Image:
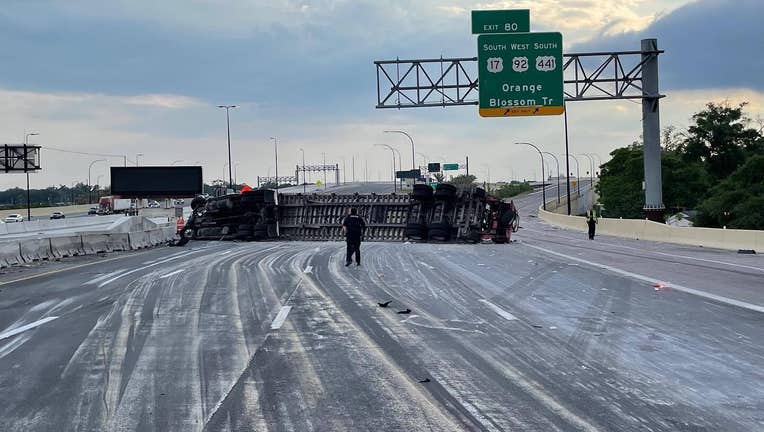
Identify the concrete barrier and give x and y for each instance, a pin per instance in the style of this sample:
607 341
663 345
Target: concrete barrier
9 254
95 243
647 230
35 249
118 241
66 246
138 240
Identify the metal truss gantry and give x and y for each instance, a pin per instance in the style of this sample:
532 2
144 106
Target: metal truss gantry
593 76
318 168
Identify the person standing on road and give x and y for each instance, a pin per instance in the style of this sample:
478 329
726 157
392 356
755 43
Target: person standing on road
591 220
354 227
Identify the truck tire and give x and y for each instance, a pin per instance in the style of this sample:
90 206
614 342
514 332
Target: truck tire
422 192
445 192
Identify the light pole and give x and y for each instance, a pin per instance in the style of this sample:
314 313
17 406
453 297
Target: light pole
303 170
413 161
90 187
136 158
558 175
235 177
599 161
276 153
26 143
424 158
352 164
578 175
323 168
543 173
392 150
344 177
228 131
591 165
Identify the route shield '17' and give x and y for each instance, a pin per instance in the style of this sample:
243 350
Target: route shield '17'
520 74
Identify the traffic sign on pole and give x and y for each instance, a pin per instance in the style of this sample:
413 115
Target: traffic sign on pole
520 74
450 167
501 21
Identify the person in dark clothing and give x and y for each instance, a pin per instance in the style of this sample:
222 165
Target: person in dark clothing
354 227
591 220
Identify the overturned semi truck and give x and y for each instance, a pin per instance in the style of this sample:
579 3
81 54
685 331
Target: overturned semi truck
446 214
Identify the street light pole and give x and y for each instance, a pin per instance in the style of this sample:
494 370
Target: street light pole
136 158
558 176
323 168
543 173
90 187
228 131
591 165
276 153
413 161
392 150
578 175
303 171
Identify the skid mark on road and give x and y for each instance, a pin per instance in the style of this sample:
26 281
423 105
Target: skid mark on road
652 280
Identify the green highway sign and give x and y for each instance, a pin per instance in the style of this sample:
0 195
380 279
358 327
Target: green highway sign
520 74
450 167
501 21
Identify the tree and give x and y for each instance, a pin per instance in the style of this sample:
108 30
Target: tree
720 138
738 201
620 185
513 189
463 180
439 177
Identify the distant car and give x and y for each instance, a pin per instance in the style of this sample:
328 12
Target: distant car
57 215
179 202
14 218
93 210
153 204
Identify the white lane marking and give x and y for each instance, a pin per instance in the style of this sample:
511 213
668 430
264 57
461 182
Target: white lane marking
427 265
13 345
226 252
26 327
654 251
699 293
280 317
308 269
171 274
501 312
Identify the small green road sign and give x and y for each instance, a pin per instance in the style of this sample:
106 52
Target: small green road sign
520 74
501 21
450 167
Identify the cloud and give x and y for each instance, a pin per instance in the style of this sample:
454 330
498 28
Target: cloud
708 44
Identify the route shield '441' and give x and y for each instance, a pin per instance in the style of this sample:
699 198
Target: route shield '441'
520 74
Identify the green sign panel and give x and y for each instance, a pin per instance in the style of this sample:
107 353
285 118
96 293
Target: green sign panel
501 21
450 167
520 74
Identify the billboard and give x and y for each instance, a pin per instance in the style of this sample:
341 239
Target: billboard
157 181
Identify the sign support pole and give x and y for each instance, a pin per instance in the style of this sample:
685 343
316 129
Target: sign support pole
567 158
654 208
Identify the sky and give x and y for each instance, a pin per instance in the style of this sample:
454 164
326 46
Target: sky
129 77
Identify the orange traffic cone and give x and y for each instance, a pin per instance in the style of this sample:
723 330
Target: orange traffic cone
180 224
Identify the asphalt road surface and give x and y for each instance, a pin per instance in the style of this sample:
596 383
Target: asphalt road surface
551 333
